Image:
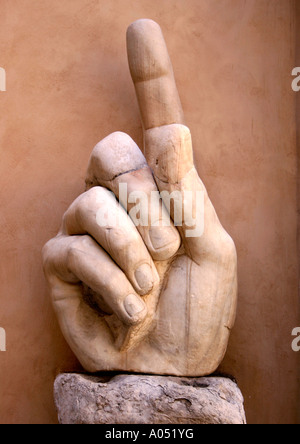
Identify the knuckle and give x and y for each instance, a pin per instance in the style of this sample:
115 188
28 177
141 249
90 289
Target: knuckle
170 152
51 253
129 242
72 254
222 247
83 206
228 248
86 200
76 247
95 196
48 252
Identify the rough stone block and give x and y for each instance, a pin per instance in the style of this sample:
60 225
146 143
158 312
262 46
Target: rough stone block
143 399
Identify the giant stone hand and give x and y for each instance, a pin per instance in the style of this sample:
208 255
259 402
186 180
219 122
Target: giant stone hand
149 298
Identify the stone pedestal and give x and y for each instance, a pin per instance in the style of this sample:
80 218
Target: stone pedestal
142 399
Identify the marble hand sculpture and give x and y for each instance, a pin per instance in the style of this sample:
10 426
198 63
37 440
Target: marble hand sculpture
147 298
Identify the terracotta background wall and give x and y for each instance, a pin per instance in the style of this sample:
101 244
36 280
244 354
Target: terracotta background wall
68 86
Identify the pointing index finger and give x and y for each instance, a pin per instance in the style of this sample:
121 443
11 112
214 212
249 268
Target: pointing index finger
152 75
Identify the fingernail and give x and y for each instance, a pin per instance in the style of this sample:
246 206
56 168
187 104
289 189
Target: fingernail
144 278
161 236
165 242
134 307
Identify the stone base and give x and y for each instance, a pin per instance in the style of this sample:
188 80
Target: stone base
142 399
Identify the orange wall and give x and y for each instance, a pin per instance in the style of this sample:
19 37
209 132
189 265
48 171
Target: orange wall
68 86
